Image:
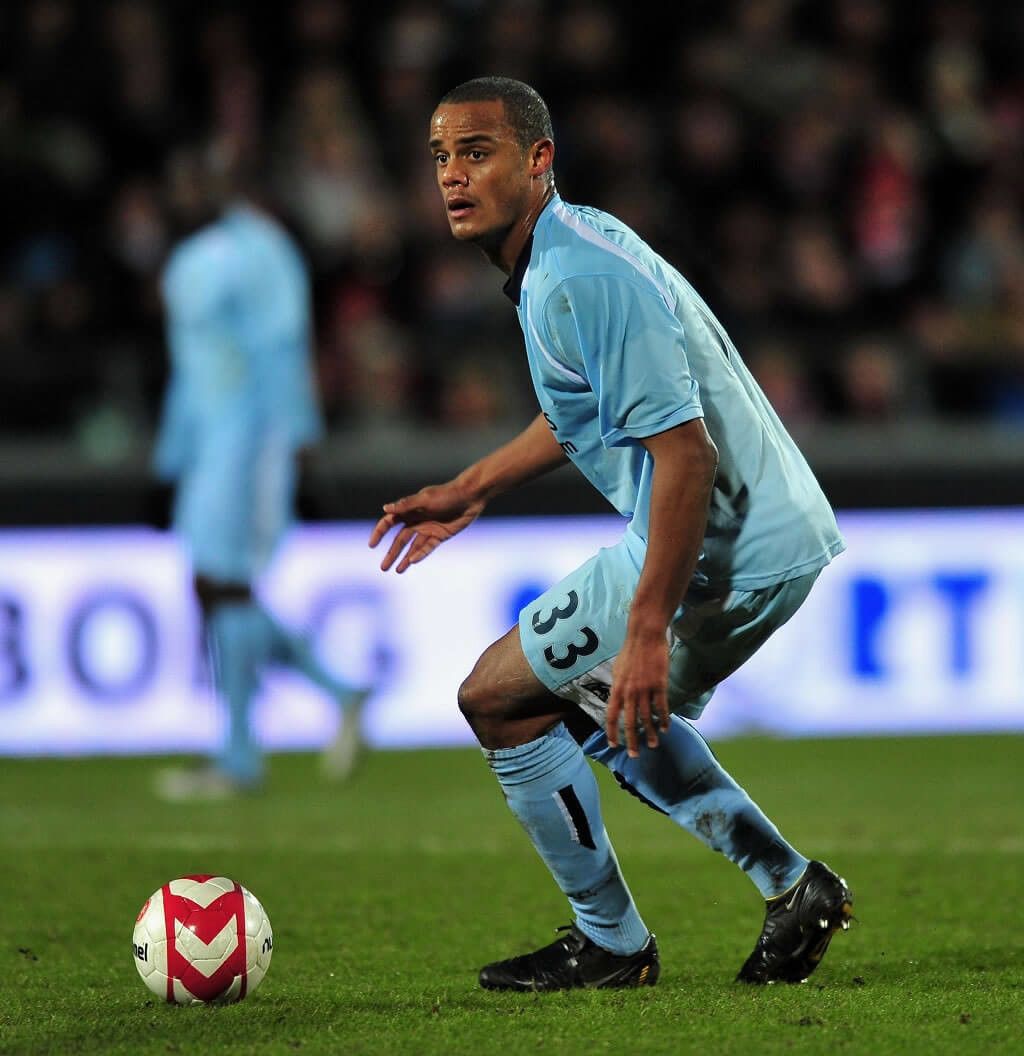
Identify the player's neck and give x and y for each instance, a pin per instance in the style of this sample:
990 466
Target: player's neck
186 224
506 255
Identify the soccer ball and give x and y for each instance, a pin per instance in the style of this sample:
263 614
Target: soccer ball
202 939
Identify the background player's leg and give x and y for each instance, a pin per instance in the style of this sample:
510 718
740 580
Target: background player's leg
238 645
293 650
551 789
273 480
237 640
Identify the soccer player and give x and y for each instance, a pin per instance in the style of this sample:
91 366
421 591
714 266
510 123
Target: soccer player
641 388
239 412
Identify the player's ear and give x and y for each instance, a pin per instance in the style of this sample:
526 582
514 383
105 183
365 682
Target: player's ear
541 157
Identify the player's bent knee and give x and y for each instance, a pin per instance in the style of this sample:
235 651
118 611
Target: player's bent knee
484 695
488 703
497 714
503 701
478 700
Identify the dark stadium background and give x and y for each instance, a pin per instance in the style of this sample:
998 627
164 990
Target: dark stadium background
842 181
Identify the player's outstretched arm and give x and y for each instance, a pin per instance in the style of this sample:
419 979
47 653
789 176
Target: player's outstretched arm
435 513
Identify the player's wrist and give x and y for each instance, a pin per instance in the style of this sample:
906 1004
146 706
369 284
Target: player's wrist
646 624
652 610
476 485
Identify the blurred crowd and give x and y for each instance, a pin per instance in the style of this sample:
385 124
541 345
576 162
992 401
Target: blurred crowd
843 181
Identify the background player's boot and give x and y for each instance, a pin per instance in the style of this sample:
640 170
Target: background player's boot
798 926
574 961
341 754
205 783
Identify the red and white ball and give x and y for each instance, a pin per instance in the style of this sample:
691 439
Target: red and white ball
202 939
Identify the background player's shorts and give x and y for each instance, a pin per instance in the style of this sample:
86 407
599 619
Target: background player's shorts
572 633
234 506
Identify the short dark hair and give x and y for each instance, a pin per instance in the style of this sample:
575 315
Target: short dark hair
526 113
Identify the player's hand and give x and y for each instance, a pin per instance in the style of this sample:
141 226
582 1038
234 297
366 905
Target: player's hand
639 693
428 518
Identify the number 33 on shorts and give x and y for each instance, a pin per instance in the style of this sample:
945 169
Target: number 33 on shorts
569 652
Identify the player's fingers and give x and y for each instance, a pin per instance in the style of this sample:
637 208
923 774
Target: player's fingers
398 507
661 710
630 720
611 719
381 528
397 546
646 718
652 726
421 546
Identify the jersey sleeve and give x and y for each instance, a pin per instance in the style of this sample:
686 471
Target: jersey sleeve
621 336
172 449
195 288
293 365
200 282
307 424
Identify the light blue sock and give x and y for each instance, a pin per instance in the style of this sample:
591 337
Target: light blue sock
682 778
294 650
551 789
238 645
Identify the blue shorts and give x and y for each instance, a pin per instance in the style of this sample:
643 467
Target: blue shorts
233 507
572 633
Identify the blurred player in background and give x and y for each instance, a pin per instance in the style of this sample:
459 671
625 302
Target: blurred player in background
240 412
641 388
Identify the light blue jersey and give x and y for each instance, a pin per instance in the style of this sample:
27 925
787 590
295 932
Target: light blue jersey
241 400
621 347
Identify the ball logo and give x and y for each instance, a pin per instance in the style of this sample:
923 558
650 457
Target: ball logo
205 950
142 912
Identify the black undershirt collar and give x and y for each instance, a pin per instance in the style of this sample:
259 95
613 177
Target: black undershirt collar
513 288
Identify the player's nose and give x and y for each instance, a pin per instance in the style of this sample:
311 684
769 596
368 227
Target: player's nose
453 175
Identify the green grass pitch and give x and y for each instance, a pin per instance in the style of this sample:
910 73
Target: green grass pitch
387 893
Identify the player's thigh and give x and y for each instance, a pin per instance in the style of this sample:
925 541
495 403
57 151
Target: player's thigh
572 633
272 487
234 508
212 519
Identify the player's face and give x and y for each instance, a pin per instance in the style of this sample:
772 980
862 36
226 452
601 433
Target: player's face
483 173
